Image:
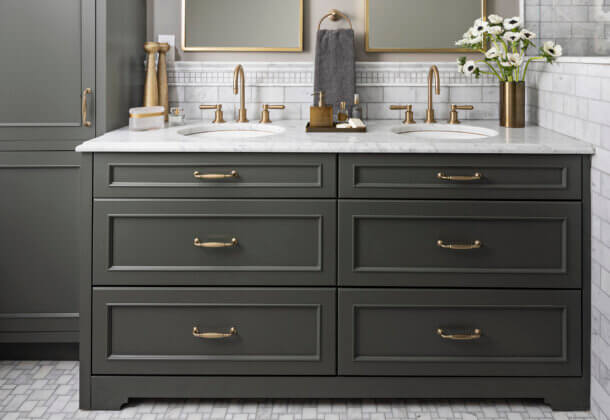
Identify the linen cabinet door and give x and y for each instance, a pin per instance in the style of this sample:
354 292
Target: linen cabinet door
48 53
460 244
39 251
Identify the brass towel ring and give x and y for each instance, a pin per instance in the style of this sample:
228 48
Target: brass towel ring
334 15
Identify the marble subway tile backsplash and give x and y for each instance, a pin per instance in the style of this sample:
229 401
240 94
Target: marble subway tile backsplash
379 84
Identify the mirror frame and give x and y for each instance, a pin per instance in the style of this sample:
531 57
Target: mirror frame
368 48
186 48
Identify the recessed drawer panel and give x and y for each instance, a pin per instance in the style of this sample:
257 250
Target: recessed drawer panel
214 242
460 177
446 332
214 175
213 331
460 244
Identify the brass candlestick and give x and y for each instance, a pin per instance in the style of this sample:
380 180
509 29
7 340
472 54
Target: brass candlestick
162 78
151 86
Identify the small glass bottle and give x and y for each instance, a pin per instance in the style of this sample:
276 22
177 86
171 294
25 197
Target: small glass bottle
357 108
342 114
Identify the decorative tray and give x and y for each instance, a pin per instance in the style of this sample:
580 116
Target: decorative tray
333 129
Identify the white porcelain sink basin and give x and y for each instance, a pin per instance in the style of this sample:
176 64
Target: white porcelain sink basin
445 131
231 130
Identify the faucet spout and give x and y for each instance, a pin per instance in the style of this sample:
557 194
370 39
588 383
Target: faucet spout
433 76
241 89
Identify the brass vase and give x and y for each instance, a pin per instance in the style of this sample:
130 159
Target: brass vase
512 104
162 79
151 85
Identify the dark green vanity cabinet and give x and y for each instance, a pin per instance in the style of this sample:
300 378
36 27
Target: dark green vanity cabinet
58 57
349 276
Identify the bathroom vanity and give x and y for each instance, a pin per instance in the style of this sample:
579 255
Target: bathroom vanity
293 265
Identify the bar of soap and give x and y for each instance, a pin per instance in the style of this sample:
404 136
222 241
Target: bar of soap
356 123
343 125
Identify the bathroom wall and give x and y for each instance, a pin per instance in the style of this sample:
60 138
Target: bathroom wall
573 97
164 18
582 27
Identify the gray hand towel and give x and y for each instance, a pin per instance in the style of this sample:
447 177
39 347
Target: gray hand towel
335 67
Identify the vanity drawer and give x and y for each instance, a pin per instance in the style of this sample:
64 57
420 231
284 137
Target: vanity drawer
210 175
190 242
411 243
522 333
427 177
150 331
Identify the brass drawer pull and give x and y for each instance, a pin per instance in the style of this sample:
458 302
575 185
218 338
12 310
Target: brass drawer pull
459 337
198 175
448 245
214 335
476 177
199 244
86 122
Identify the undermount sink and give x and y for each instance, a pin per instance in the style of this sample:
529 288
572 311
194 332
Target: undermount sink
446 131
231 131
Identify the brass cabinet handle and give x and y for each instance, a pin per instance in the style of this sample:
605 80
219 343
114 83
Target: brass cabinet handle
214 335
199 175
448 245
86 92
476 177
199 244
459 337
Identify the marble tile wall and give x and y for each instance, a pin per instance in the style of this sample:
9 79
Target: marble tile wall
574 98
379 84
582 27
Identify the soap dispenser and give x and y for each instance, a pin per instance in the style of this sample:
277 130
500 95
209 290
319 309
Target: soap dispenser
320 115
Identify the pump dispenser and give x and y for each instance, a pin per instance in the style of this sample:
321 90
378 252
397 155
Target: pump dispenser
322 114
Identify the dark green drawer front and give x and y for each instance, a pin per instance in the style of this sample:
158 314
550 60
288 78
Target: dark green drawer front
148 175
522 333
523 244
502 177
151 242
149 331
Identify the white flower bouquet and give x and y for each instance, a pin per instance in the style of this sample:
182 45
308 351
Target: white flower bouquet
504 44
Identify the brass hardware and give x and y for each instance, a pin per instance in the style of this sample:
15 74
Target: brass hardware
214 335
335 15
432 74
265 119
322 114
408 114
298 48
162 79
367 37
512 104
199 244
239 72
86 92
198 175
151 85
476 334
447 245
476 177
218 115
453 118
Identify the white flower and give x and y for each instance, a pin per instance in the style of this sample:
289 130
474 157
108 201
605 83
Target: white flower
525 34
480 28
495 19
492 53
512 23
505 63
552 49
462 42
515 59
470 67
511 36
475 40
495 30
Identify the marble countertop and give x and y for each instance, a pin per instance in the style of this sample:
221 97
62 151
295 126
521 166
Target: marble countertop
290 137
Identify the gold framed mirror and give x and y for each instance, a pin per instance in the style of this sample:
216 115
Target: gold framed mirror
419 26
242 25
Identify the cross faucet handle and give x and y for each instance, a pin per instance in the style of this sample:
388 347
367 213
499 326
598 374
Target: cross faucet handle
218 116
265 119
408 114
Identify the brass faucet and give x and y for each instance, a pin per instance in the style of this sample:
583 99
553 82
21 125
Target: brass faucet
430 111
239 71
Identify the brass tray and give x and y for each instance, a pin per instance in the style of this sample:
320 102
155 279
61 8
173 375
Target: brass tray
333 129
